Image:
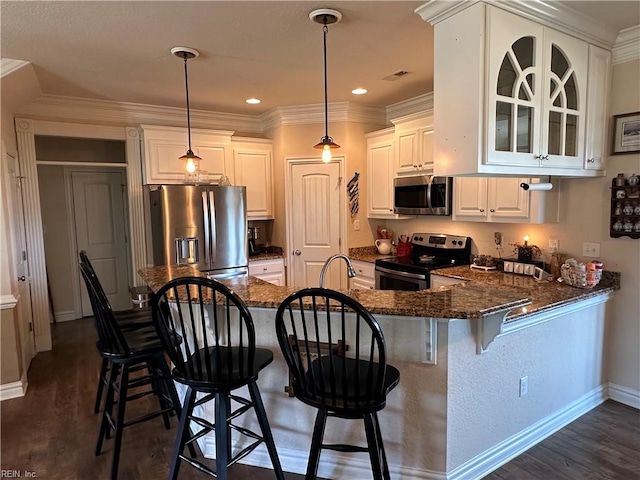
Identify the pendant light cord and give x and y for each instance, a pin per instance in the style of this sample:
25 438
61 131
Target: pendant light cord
186 85
325 30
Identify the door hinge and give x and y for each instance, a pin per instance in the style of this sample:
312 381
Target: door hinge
30 327
24 255
340 242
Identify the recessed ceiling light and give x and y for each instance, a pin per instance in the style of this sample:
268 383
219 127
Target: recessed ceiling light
359 91
252 101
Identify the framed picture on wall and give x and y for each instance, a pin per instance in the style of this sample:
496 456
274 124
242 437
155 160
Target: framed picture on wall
626 133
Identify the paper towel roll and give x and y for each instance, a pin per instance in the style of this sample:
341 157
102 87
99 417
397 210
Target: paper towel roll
536 186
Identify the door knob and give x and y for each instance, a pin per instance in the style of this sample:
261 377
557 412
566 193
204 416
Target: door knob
22 278
297 252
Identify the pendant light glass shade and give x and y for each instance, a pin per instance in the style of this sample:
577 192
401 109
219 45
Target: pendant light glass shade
326 17
192 161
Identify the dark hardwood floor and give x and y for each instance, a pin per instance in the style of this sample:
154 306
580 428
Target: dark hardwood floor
51 431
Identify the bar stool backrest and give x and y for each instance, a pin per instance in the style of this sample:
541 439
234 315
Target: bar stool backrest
111 339
218 334
335 351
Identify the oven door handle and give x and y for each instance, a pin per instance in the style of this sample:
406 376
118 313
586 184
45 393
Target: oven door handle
417 276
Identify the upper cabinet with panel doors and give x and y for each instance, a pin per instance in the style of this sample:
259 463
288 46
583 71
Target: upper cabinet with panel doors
502 200
515 98
414 144
252 167
381 167
163 146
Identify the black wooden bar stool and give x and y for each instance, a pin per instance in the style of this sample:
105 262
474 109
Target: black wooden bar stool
217 356
127 352
336 354
127 320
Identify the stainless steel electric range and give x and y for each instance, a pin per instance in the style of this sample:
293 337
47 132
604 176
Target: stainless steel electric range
429 252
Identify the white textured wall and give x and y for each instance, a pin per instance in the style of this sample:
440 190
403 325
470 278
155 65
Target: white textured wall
563 359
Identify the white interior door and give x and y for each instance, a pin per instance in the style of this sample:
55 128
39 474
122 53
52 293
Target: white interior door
314 223
21 263
100 226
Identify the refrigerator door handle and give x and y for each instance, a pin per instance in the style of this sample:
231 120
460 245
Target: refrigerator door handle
206 220
214 235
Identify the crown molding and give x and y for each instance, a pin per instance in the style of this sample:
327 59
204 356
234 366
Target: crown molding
627 47
314 114
9 65
419 106
546 12
105 112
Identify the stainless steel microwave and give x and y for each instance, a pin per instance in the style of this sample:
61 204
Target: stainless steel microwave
422 195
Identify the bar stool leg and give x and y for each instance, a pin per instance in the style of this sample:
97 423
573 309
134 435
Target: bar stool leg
122 402
316 445
103 379
183 433
256 398
383 455
105 428
223 439
373 446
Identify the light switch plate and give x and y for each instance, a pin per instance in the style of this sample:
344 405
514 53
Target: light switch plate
590 249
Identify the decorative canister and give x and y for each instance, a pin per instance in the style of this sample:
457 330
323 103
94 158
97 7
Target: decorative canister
633 180
636 227
620 180
628 226
628 209
621 194
617 227
637 210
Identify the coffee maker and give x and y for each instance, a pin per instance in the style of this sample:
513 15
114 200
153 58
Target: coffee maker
253 233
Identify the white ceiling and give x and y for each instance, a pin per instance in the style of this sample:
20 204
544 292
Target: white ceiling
120 51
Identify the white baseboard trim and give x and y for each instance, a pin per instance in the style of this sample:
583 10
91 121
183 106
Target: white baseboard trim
14 389
510 448
624 395
66 316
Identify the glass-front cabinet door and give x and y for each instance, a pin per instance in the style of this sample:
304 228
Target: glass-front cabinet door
536 84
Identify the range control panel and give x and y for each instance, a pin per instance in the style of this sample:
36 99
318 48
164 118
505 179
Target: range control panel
440 240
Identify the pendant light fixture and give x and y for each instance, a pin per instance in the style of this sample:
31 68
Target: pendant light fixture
192 161
326 16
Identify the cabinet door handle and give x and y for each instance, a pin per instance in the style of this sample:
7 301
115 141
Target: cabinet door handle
591 160
492 210
542 157
22 278
482 209
297 252
264 269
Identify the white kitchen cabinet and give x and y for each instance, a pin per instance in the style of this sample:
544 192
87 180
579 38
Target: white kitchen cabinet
380 173
365 278
271 270
598 94
513 100
414 144
502 200
163 146
441 281
252 167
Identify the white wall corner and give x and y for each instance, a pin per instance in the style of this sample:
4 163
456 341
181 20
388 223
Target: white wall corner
624 395
627 46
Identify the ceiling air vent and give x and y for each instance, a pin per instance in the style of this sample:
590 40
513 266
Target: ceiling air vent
395 75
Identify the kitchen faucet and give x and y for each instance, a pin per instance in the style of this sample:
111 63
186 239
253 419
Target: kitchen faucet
350 271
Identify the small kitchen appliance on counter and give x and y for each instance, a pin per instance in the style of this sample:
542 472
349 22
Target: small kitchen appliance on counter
430 251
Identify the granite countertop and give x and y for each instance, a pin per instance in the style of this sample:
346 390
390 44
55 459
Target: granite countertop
467 301
543 295
366 254
267 253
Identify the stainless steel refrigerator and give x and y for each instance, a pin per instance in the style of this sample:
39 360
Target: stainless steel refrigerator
200 225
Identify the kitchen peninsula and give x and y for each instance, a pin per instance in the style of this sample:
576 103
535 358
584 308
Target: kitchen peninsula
460 410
